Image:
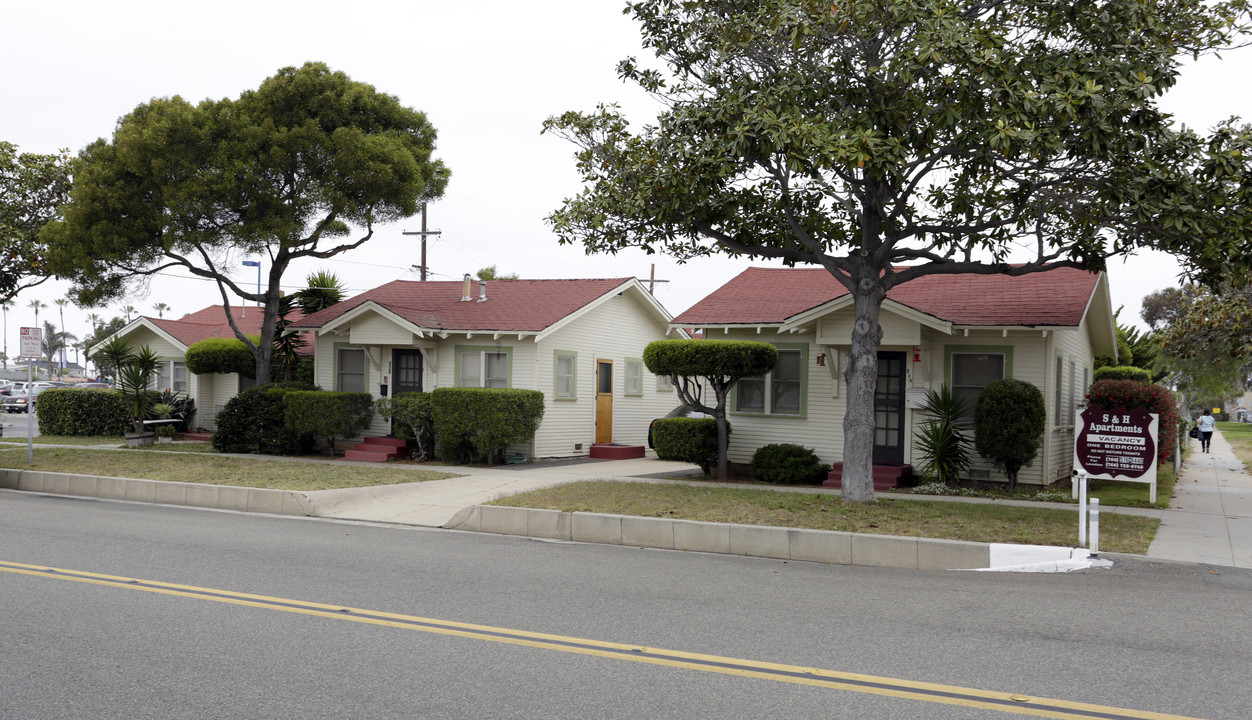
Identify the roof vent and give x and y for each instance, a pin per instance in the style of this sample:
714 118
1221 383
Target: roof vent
482 291
465 289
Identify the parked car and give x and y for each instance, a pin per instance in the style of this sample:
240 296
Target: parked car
14 386
23 401
680 411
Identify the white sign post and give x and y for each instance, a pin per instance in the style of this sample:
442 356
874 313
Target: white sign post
31 349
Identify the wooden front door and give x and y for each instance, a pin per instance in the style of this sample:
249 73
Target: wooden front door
406 371
889 409
604 401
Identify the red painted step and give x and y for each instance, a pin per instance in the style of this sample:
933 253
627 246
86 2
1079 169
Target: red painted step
366 456
613 451
393 442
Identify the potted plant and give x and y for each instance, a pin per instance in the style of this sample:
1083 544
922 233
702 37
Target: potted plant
164 431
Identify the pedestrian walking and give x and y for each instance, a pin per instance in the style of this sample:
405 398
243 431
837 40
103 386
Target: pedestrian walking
1206 424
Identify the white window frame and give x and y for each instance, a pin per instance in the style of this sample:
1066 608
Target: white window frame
570 390
167 376
476 359
634 377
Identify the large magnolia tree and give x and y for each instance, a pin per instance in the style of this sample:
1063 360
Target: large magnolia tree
32 186
885 140
305 166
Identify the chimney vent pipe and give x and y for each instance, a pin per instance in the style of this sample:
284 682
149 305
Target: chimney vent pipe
465 289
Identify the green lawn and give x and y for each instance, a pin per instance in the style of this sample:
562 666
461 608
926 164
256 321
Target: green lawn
981 522
1239 435
209 469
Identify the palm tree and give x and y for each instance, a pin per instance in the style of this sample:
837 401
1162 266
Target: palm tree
324 289
160 308
61 303
95 321
36 305
54 342
129 310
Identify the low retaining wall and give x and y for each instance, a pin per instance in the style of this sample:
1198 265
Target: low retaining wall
825 546
222 497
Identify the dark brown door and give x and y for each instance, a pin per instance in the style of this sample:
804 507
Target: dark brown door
406 371
889 409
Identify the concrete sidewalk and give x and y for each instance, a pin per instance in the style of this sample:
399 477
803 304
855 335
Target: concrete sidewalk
1209 519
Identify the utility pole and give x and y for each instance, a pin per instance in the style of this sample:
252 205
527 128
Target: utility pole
424 232
652 279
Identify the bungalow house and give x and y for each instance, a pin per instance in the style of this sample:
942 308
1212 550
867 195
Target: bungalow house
170 340
963 330
580 342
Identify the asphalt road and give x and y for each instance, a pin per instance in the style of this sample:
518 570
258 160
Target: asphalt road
150 623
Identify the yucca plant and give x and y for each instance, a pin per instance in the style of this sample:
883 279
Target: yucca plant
943 440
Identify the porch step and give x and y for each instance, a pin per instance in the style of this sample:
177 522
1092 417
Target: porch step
366 456
388 441
886 477
613 451
203 437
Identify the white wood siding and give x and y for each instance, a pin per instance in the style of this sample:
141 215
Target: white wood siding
616 330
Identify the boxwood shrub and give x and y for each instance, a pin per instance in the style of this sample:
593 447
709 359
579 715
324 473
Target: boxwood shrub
479 424
221 355
254 421
1123 372
787 464
690 440
411 418
74 411
328 415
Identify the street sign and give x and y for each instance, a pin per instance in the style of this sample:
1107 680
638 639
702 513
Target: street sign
1117 445
32 343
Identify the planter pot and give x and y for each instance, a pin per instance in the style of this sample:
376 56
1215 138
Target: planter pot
139 439
165 440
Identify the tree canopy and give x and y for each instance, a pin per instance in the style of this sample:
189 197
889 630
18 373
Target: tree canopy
885 140
32 186
305 166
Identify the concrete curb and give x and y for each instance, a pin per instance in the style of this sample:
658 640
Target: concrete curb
840 548
219 497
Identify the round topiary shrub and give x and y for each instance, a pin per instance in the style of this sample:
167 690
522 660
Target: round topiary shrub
787 464
1123 372
1009 420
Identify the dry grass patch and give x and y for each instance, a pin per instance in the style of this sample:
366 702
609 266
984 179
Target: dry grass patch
978 522
209 469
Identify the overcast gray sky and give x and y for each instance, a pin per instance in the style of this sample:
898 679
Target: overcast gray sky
486 73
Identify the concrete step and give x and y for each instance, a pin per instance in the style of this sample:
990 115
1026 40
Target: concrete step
366 456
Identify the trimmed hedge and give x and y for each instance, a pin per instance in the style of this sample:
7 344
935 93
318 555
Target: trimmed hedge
1123 372
254 421
701 358
1126 395
221 355
74 411
690 440
787 464
473 424
328 414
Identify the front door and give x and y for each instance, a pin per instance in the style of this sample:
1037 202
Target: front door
889 409
604 401
406 371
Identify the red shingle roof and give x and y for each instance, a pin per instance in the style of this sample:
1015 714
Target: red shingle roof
772 295
211 322
511 305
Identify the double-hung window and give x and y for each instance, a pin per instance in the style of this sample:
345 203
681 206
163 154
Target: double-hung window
780 392
634 376
482 368
566 375
350 370
172 375
973 371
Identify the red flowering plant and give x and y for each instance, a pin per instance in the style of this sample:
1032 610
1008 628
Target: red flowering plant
1126 395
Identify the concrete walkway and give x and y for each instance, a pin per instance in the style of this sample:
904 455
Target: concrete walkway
1209 519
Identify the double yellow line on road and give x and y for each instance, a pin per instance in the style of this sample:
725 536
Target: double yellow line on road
852 682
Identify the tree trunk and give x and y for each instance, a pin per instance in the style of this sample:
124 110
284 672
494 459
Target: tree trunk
861 374
723 462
